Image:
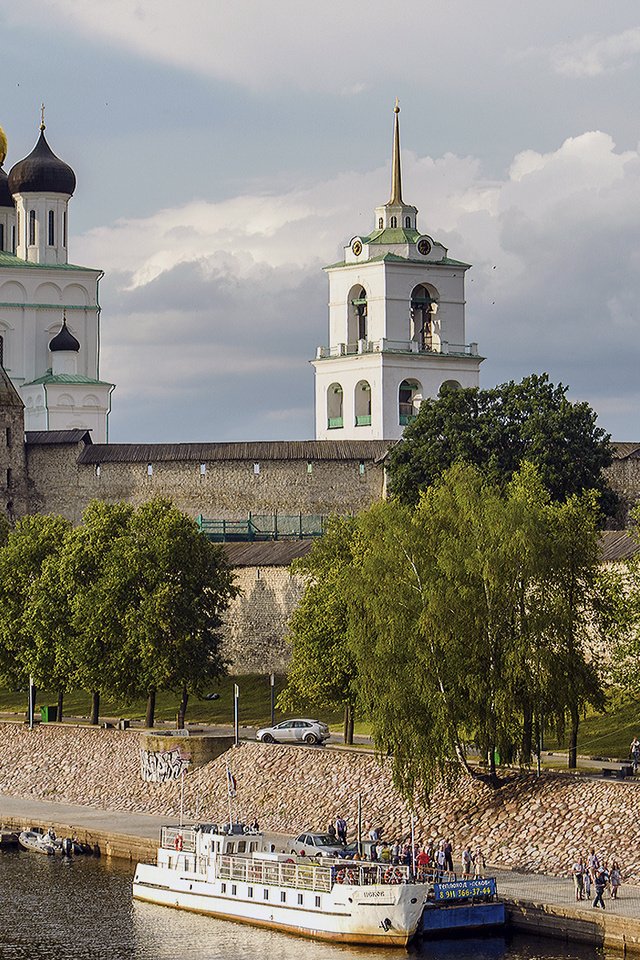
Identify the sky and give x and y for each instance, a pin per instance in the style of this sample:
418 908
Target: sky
226 152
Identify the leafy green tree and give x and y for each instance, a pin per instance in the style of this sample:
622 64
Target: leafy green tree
497 430
70 604
170 586
459 621
322 672
30 545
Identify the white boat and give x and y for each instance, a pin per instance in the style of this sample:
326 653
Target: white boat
227 873
36 842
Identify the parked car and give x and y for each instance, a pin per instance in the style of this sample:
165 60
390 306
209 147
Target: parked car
295 731
316 845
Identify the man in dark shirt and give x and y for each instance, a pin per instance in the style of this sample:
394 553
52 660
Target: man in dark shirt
600 884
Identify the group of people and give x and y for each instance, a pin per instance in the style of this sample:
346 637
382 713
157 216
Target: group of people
432 859
591 874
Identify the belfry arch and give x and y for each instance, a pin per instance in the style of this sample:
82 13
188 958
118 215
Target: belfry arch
424 307
358 320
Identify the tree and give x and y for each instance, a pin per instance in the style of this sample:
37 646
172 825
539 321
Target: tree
459 621
33 542
322 672
70 606
171 587
497 430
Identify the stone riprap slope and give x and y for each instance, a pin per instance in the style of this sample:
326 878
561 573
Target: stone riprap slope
534 824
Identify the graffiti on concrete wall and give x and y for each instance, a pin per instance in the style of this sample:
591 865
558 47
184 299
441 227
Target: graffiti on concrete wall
160 766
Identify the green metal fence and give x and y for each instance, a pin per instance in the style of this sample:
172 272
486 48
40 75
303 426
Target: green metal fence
275 526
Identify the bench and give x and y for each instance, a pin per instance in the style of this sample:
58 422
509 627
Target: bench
618 770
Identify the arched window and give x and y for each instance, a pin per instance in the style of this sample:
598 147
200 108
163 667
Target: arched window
423 310
380 223
32 227
362 404
394 221
409 400
449 385
407 222
357 321
334 407
51 237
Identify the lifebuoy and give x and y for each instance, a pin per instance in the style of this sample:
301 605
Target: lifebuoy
289 860
340 876
178 842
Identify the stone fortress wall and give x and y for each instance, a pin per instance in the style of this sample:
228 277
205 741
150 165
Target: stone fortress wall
62 471
534 824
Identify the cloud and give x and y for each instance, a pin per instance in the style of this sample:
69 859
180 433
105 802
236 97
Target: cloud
215 309
594 55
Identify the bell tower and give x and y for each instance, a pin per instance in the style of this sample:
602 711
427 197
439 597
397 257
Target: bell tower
396 325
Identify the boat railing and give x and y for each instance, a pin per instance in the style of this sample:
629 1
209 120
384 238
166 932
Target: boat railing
304 876
178 838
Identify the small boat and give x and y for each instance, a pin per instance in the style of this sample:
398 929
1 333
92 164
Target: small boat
36 842
232 873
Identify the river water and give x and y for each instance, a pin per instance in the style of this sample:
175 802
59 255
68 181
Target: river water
57 909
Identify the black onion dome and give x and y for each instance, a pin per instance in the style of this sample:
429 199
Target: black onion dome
6 200
42 172
64 340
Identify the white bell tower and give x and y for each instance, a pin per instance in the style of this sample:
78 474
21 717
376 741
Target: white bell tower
396 326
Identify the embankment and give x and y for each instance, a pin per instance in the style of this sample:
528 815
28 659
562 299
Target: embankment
534 824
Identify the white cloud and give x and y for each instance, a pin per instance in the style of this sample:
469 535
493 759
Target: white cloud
594 55
201 295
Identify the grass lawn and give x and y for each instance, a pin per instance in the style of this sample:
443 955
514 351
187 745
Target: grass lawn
608 734
254 704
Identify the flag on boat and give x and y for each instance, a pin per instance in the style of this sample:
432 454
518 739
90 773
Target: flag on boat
231 783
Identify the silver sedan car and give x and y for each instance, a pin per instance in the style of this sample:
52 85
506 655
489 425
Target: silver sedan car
295 731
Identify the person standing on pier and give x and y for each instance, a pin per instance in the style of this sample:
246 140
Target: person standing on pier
578 878
601 885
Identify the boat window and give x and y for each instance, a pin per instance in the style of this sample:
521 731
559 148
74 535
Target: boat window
265 894
234 889
317 901
223 887
252 847
242 846
249 891
300 899
283 896
231 848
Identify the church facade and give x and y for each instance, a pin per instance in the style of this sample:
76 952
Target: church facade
49 307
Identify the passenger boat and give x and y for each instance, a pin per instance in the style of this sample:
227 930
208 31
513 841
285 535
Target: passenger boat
227 872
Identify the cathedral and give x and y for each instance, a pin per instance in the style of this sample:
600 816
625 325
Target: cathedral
49 307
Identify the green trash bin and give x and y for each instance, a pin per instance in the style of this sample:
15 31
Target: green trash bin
48 714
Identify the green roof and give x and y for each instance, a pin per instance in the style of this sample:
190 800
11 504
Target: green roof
17 263
66 378
391 236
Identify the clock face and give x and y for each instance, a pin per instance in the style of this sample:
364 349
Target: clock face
356 246
424 246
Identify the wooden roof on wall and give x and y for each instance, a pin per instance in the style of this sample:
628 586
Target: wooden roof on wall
273 553
309 450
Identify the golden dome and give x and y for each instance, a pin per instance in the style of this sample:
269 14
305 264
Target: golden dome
3 146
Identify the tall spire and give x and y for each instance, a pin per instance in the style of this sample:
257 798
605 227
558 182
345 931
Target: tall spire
396 175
